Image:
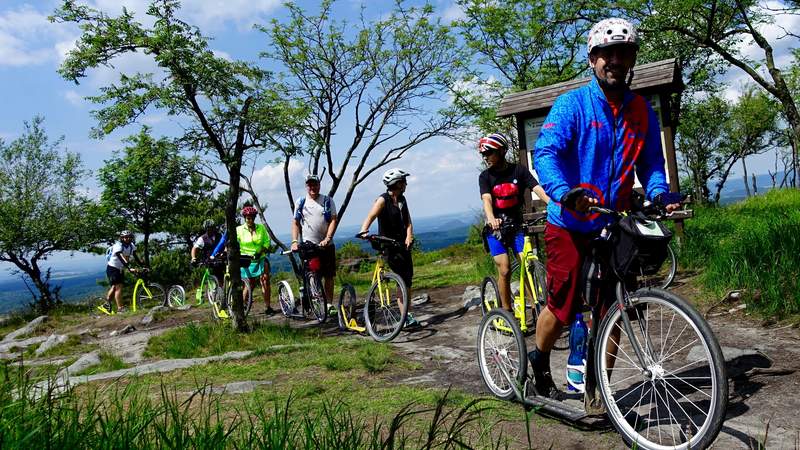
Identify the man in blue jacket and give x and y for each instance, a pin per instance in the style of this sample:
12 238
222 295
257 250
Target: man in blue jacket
594 138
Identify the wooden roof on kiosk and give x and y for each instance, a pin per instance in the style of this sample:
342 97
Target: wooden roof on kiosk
659 76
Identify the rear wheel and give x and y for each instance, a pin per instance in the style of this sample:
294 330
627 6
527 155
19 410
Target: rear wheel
285 298
502 354
346 308
678 399
149 297
176 296
490 295
316 296
665 275
386 307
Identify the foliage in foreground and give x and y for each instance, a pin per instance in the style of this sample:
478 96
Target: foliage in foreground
127 417
753 245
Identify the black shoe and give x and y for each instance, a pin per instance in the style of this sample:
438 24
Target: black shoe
544 386
269 312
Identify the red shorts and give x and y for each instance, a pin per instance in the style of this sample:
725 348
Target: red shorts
566 251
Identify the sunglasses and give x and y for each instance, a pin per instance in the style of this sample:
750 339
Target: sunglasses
488 153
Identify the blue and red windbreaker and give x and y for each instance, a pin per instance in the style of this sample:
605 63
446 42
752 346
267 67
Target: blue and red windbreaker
581 144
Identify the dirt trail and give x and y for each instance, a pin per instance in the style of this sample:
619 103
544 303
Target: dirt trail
762 363
762 366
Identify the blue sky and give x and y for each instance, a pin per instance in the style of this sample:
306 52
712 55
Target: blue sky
444 172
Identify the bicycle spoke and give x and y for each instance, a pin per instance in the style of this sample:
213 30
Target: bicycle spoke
650 412
682 409
638 405
665 337
671 416
686 398
678 350
629 393
633 362
626 378
677 338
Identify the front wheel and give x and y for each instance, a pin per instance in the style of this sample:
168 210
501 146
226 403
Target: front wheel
210 289
285 298
502 354
247 297
346 308
490 295
316 296
176 296
147 296
386 307
678 397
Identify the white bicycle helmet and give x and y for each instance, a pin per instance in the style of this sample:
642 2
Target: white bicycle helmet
612 31
392 176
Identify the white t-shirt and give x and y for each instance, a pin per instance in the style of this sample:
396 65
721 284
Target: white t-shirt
127 251
313 226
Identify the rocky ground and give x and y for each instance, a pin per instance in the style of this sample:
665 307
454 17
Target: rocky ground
762 363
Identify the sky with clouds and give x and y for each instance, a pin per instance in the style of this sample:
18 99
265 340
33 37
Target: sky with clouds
444 172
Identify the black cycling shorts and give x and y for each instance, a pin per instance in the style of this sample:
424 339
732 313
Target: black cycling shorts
400 262
114 275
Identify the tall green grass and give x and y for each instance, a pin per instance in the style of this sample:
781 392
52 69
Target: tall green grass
130 417
753 245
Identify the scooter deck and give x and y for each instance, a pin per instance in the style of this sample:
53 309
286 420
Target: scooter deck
555 407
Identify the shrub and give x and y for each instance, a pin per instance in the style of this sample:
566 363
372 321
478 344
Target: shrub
173 267
752 245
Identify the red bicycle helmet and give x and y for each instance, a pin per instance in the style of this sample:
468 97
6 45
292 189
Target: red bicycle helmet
249 211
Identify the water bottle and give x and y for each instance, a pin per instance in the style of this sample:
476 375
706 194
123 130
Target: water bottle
576 363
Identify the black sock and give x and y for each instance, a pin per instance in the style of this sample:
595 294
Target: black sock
539 360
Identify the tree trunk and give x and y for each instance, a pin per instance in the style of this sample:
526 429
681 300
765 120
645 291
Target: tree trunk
45 301
746 185
146 246
238 321
755 187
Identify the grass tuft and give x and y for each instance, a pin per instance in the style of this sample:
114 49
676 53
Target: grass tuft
128 416
752 245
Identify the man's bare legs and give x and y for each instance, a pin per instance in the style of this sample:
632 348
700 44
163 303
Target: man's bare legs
503 280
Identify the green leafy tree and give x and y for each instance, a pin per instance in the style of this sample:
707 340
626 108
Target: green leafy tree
42 207
519 45
380 87
700 144
227 107
715 135
751 130
146 186
722 27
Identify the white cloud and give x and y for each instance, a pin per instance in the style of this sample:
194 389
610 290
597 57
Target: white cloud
221 54
453 12
26 37
73 97
270 177
206 14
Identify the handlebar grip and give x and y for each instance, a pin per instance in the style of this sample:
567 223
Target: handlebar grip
571 198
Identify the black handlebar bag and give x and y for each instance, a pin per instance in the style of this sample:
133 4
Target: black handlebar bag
640 246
